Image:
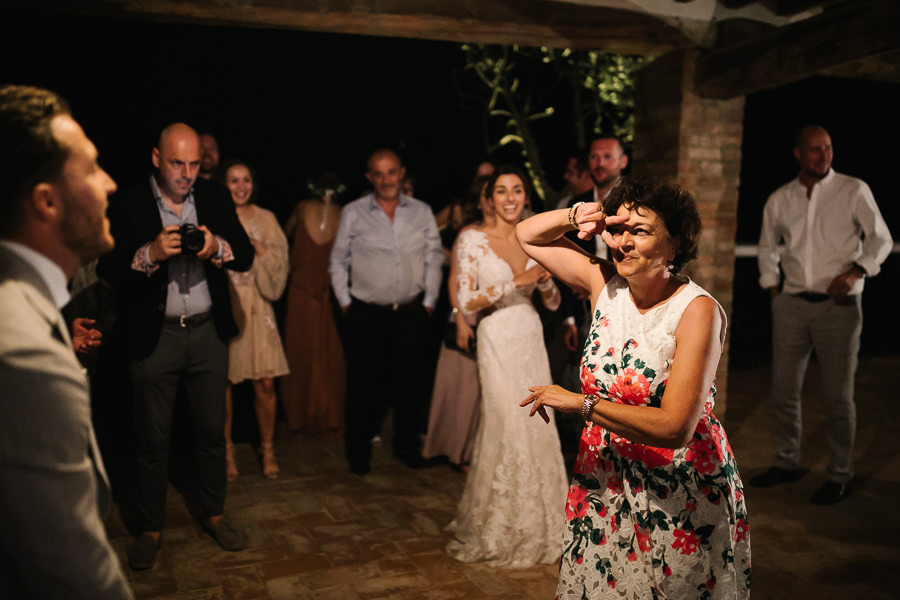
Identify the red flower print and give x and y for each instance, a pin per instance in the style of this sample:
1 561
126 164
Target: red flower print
643 538
603 322
610 352
592 436
630 388
686 540
580 559
667 571
741 529
631 556
614 484
710 584
576 503
649 455
704 455
587 462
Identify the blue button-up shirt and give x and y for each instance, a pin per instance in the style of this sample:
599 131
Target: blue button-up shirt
188 292
386 262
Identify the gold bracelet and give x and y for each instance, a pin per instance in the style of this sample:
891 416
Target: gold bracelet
587 408
572 212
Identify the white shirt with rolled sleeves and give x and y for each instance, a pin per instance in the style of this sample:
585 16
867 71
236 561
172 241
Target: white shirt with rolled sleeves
838 225
385 262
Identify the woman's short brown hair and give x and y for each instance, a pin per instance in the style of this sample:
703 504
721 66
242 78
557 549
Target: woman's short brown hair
674 204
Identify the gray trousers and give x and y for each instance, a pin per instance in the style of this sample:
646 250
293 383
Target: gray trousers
831 328
197 359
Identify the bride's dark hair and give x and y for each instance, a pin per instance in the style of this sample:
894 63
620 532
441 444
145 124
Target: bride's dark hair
509 170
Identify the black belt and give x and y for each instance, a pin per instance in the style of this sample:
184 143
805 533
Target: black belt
188 321
412 305
812 296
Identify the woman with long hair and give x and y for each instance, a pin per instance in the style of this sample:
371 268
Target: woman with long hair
509 514
256 354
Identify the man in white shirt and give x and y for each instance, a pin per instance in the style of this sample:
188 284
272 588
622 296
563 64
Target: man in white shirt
385 270
54 487
834 238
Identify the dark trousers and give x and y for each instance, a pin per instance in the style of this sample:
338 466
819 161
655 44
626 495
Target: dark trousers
385 352
195 358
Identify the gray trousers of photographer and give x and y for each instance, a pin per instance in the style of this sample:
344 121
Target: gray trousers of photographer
832 328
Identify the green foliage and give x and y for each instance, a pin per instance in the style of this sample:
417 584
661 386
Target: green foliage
516 86
608 82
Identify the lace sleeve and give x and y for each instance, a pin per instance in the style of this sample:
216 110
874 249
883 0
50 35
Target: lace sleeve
271 269
550 294
470 297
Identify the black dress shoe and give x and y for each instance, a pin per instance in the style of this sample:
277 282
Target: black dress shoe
359 466
831 492
774 476
142 555
412 459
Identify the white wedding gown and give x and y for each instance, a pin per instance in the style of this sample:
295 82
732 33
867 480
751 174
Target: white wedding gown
512 512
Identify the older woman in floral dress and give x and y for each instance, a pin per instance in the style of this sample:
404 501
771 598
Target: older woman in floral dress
656 506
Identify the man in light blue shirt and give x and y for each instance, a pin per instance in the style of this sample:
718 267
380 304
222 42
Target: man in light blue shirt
386 274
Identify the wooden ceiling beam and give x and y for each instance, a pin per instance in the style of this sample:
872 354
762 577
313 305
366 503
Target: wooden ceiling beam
525 22
853 31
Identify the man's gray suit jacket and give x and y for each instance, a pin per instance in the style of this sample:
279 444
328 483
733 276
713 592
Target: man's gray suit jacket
53 487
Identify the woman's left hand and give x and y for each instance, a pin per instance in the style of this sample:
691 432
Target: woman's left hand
592 221
554 396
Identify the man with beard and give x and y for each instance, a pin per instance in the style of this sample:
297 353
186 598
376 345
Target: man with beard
834 238
606 161
578 179
176 234
209 155
55 491
386 273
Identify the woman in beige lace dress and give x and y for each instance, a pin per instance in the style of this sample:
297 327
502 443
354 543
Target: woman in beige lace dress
256 353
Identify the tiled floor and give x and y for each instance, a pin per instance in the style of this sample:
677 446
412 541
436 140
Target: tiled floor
319 532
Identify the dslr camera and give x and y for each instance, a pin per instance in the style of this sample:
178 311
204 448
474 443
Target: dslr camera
192 239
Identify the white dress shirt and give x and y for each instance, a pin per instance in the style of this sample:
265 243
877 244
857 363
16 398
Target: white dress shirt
838 225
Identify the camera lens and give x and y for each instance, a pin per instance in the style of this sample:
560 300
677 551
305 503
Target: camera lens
192 239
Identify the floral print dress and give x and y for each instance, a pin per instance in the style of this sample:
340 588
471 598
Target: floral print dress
647 522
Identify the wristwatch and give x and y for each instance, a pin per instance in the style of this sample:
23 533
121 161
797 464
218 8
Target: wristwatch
588 407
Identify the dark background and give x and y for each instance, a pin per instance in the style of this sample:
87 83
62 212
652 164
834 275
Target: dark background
295 103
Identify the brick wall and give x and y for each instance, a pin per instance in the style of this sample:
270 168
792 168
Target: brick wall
697 143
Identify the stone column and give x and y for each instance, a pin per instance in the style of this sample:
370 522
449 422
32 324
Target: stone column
695 142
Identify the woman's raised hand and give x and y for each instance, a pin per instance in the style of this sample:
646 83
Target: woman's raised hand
592 220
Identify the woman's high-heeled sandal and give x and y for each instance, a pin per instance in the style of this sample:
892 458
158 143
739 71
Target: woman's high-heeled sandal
269 462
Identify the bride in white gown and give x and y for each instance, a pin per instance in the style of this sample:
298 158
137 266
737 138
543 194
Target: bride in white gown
510 514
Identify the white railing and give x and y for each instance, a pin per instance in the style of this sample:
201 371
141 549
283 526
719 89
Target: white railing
745 250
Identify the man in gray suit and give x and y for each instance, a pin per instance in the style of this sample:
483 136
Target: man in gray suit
53 488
